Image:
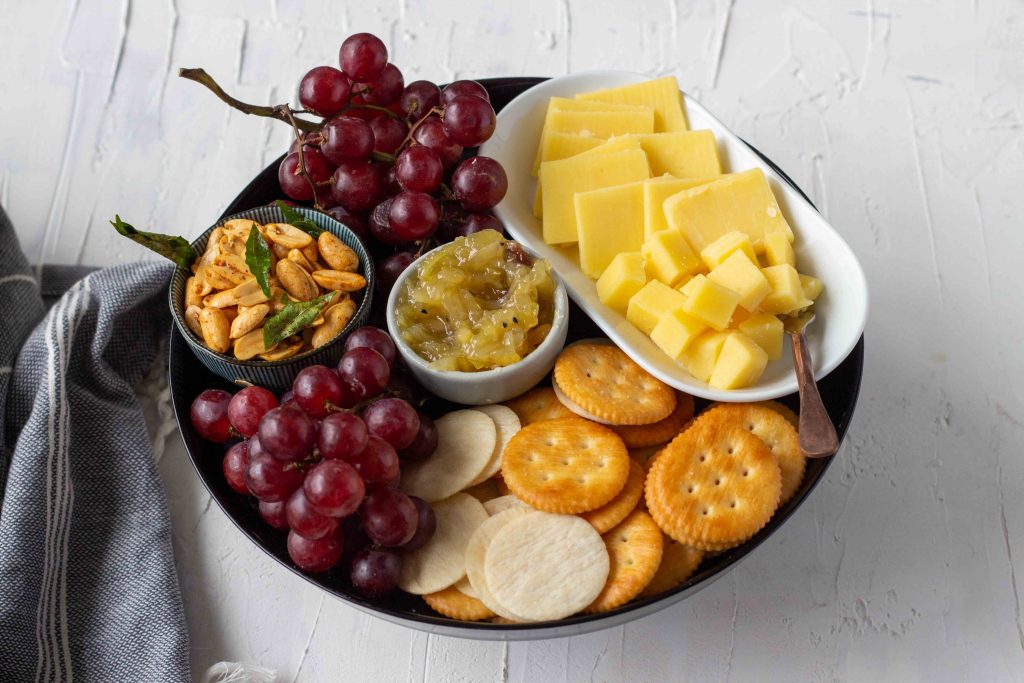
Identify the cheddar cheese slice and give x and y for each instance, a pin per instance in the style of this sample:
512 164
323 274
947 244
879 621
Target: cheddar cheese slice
661 93
609 220
657 190
683 154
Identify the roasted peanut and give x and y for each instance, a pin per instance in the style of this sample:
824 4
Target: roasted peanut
230 312
230 267
250 345
299 257
213 241
239 227
249 293
287 235
278 250
193 292
311 252
215 328
296 281
339 280
220 299
336 253
249 317
335 319
192 320
232 244
278 299
286 349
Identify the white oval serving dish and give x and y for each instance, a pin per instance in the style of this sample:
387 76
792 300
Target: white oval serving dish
820 251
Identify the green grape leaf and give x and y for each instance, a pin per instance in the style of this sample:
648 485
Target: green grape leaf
293 318
172 247
257 257
293 217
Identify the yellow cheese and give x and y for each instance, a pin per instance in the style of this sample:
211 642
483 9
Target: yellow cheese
561 180
614 144
812 286
739 364
669 257
778 251
738 316
722 248
623 278
661 93
555 145
683 154
566 104
712 303
742 276
602 124
692 285
787 295
740 201
675 331
654 300
766 330
657 190
609 220
702 353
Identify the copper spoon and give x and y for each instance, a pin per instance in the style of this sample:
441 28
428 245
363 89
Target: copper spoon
818 438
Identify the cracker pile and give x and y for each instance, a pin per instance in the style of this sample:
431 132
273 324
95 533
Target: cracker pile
599 490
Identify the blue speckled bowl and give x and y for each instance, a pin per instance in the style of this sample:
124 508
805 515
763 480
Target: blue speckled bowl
276 375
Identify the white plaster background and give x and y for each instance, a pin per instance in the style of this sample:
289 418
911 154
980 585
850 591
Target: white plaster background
903 120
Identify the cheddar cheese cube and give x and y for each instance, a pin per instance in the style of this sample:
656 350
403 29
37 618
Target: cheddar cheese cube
712 303
738 316
742 276
623 278
740 201
812 286
740 363
661 93
702 353
654 300
778 251
723 247
561 180
787 295
609 221
767 332
657 190
683 154
669 257
675 331
690 286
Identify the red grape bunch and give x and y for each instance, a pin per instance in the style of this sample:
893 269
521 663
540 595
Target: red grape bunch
388 158
322 460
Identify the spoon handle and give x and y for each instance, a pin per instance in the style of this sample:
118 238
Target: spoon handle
818 437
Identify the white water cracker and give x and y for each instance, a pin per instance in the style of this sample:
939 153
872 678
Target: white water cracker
543 566
507 424
496 505
476 551
442 561
466 588
465 444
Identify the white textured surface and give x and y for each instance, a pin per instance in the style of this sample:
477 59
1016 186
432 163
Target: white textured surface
904 122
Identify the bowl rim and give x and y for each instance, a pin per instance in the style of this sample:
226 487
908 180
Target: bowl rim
559 321
858 279
335 227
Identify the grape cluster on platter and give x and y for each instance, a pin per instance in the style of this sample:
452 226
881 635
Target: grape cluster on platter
323 461
390 160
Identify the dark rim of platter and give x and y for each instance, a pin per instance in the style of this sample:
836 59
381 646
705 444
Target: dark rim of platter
502 90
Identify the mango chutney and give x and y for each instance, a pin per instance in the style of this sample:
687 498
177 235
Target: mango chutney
479 303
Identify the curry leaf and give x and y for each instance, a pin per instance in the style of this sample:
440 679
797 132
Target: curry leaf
293 318
257 257
172 247
293 217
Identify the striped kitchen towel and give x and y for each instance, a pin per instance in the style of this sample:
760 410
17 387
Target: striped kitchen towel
88 589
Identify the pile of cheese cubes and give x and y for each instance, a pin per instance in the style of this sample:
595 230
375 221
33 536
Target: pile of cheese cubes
699 260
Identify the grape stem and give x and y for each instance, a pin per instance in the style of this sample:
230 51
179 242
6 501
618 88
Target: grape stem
412 129
374 107
277 112
287 111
